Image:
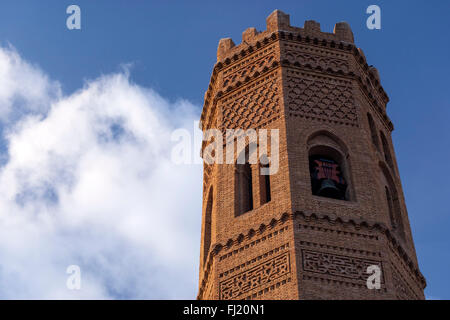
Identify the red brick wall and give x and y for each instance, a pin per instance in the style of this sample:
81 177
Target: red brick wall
316 88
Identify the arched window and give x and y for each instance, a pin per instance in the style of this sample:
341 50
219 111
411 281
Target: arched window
398 215
390 205
395 212
244 188
327 178
393 202
208 224
329 166
264 186
386 150
373 131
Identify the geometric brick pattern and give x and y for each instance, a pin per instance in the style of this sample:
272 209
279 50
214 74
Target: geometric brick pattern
325 62
207 171
262 274
252 107
402 289
322 99
256 63
337 265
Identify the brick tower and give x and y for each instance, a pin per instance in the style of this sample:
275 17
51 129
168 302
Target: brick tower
335 205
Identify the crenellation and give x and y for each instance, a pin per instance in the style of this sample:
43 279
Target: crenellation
278 20
225 45
248 35
343 31
312 27
230 54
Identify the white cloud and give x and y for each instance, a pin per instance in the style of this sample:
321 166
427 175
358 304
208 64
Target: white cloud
23 87
88 181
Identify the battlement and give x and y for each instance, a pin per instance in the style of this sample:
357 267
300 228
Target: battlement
278 28
280 21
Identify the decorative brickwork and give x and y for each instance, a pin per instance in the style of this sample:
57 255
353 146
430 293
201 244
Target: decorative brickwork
337 265
253 106
262 274
324 59
402 289
321 98
317 233
207 173
259 62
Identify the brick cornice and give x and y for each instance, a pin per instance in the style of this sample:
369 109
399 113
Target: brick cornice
332 219
370 225
218 247
367 81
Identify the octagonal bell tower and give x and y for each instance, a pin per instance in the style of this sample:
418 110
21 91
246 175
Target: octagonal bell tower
335 205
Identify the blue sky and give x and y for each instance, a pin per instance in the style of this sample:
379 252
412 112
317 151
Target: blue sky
171 47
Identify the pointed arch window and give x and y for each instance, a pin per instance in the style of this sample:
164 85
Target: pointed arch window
386 150
244 188
395 212
390 205
264 186
398 220
208 224
373 131
393 203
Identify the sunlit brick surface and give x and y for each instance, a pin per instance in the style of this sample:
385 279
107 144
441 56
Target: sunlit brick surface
318 90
